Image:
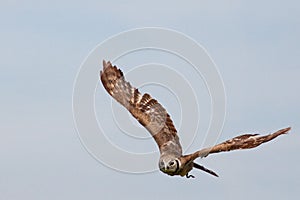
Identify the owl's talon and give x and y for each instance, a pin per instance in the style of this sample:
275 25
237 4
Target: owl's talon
190 176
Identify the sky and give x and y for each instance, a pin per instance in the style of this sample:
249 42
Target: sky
254 44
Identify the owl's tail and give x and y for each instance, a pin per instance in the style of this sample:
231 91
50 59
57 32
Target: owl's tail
197 166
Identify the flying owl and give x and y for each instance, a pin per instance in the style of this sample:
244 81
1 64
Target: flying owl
153 116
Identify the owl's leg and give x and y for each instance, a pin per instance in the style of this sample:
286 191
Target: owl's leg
189 176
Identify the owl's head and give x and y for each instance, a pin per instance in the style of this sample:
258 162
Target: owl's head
169 165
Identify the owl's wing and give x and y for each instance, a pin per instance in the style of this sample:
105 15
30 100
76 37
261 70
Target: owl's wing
144 108
246 141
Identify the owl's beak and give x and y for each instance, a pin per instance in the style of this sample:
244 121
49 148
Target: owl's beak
164 167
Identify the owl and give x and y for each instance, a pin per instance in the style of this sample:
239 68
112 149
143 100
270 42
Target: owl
154 117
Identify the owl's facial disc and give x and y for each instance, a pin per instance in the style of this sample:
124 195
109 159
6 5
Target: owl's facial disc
169 166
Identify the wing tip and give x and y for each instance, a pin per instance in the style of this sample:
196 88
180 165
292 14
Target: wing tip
285 130
104 63
105 66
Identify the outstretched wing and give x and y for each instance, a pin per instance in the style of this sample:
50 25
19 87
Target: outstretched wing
144 108
246 141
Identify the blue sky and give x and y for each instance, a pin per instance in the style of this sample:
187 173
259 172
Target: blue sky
254 44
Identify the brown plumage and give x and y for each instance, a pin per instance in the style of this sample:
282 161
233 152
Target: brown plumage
158 122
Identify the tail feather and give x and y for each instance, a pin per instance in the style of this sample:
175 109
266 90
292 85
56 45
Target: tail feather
197 166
